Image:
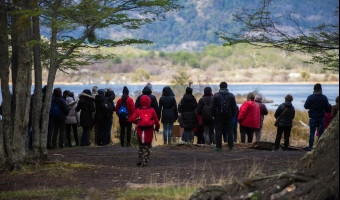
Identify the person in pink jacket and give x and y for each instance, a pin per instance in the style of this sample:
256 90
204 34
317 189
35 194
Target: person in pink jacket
125 124
249 118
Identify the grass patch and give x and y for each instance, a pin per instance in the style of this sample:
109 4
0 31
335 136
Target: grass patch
48 193
151 193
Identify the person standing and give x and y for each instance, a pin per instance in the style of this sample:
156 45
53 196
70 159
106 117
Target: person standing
284 114
204 109
235 123
125 122
147 122
263 112
249 118
169 114
86 107
72 119
317 105
154 104
110 108
187 108
60 119
93 128
223 110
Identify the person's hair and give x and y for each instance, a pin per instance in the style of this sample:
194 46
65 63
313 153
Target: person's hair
288 98
71 94
94 89
223 84
250 96
57 92
87 91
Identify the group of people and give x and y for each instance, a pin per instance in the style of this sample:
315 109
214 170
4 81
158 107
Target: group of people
214 118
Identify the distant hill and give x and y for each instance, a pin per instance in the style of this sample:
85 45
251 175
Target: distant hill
194 27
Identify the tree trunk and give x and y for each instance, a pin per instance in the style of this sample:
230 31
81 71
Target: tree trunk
39 134
6 121
316 176
21 80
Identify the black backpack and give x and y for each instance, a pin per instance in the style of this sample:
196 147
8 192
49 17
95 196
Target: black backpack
206 114
224 104
107 108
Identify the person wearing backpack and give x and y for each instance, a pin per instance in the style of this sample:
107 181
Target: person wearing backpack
249 118
168 108
104 109
58 112
124 109
146 119
86 106
203 108
110 108
223 110
187 107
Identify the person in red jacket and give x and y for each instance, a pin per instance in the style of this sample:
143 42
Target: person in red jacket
249 118
125 124
147 121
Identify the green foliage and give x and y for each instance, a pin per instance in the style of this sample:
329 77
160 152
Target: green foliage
140 75
117 60
180 79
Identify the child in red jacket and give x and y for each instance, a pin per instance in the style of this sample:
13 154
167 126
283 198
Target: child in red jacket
147 121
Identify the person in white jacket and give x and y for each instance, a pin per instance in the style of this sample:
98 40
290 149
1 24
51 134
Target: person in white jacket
72 120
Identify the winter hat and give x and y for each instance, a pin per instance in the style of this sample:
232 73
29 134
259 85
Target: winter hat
125 90
288 98
317 87
149 86
207 91
258 97
69 100
223 85
188 90
101 91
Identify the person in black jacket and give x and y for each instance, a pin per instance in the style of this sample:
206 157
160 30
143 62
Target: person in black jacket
207 121
59 121
168 108
102 118
187 107
285 114
86 107
154 104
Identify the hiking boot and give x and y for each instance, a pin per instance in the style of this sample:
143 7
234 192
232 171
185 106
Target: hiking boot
230 149
309 149
218 150
143 164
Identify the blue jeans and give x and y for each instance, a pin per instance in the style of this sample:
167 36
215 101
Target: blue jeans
224 128
313 124
167 132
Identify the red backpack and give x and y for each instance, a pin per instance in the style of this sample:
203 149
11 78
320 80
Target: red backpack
145 119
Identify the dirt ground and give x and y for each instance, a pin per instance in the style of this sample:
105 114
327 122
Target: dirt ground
111 167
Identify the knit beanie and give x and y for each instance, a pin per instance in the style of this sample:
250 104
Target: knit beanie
101 91
149 86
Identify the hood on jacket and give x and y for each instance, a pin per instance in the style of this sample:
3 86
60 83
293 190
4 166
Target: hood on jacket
145 101
207 91
69 100
167 91
85 95
146 90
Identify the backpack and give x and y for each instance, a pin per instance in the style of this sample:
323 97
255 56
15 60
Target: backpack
206 114
223 104
145 118
54 111
123 113
107 108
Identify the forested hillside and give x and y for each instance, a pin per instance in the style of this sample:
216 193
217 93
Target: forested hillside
194 26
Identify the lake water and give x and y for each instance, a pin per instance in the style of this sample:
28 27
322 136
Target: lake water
275 92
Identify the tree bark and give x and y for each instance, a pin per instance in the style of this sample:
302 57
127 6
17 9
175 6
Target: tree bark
316 176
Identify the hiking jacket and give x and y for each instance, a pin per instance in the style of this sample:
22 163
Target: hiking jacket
215 105
205 100
130 106
286 119
99 100
263 111
87 108
73 116
168 106
317 103
154 104
145 135
249 114
60 101
187 107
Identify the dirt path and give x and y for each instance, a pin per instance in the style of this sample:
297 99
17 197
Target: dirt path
110 167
